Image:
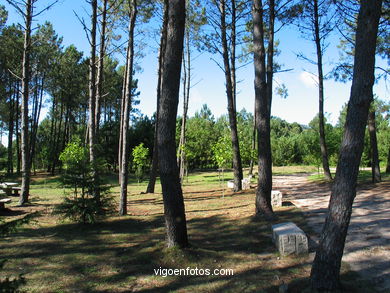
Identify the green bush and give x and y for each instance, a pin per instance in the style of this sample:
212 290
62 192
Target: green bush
140 160
85 205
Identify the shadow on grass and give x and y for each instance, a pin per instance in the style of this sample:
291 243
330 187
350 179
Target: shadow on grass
121 254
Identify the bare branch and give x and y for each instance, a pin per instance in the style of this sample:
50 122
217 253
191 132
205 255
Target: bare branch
16 6
14 75
46 8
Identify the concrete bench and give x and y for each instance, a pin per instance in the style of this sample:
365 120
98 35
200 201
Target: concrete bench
276 198
289 239
3 201
245 183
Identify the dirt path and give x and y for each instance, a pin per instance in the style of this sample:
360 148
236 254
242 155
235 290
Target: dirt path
367 247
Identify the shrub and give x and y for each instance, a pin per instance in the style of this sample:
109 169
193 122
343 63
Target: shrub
140 160
83 206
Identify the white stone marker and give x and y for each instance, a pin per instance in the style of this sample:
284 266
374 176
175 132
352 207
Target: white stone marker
230 184
245 184
289 239
276 198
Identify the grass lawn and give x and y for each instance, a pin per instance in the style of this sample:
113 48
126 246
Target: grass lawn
120 254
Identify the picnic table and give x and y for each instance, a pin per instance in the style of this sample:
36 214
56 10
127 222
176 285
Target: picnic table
3 201
9 186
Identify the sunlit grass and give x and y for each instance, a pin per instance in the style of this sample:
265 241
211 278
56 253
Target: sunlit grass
120 254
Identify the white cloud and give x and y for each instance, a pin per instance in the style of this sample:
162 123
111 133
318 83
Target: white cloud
310 80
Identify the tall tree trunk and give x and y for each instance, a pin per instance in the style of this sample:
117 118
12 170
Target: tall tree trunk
262 116
121 115
237 165
233 38
325 273
375 170
321 122
126 112
92 99
25 97
174 211
51 138
10 163
35 119
100 70
186 97
18 153
57 139
253 146
163 40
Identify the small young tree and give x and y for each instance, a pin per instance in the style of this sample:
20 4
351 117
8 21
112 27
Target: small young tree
222 151
78 175
140 160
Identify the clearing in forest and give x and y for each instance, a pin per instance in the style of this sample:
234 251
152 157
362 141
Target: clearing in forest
121 254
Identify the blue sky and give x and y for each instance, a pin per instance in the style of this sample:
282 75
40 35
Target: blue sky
300 106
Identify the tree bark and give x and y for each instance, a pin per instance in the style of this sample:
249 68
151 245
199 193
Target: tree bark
174 211
262 116
186 97
10 163
323 146
18 152
57 139
121 116
325 273
375 170
237 165
100 70
92 99
163 40
35 119
24 194
51 138
233 38
252 163
126 112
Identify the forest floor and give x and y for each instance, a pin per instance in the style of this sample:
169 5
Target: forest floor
367 248
121 254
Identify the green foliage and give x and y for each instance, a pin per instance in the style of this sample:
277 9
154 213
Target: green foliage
84 209
222 151
74 156
84 206
285 151
3 157
140 160
201 135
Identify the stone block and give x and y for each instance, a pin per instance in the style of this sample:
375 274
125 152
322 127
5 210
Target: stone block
276 198
245 183
289 239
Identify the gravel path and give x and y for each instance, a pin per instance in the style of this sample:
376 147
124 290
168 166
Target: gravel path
367 248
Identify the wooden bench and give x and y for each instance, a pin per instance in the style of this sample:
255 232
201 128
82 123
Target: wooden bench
3 201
